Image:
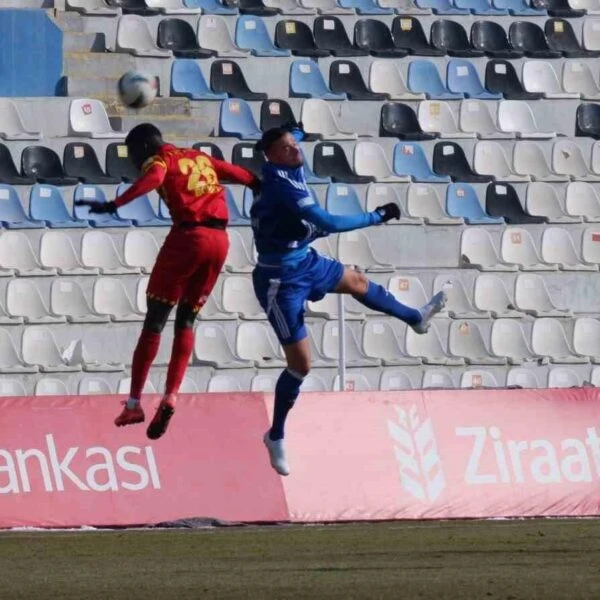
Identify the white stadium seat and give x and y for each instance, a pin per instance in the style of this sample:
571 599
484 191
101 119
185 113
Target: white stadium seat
568 160
586 338
57 252
12 126
90 386
318 119
408 290
516 116
124 386
238 258
458 302
577 78
354 355
429 347
382 342
582 200
478 378
17 255
370 160
213 34
562 377
49 386
490 159
256 342
477 250
423 202
67 299
263 383
548 338
529 159
88 118
532 297
11 387
39 348
437 117
98 251
540 77
394 379
134 37
541 200
172 7
223 383
212 348
522 377
140 250
354 382
437 378
111 298
517 247
354 249
558 247
490 295
385 77
465 340
23 299
475 117
508 339
239 297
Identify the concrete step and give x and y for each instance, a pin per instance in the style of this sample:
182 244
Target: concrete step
67 21
83 42
101 64
173 127
162 107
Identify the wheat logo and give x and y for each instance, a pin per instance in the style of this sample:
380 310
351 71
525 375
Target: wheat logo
421 472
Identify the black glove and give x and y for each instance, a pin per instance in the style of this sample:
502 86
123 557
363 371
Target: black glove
255 187
98 208
388 211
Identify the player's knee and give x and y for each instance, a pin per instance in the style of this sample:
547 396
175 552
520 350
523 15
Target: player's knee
185 316
300 366
157 315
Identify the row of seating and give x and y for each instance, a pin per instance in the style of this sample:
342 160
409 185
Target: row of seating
176 37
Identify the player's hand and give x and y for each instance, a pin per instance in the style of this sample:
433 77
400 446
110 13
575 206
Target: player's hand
388 211
98 208
296 129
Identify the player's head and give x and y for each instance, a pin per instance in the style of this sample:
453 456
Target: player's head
142 142
280 147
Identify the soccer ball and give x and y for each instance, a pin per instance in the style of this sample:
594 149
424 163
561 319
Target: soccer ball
136 89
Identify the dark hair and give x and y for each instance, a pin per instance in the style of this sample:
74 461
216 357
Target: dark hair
143 134
270 137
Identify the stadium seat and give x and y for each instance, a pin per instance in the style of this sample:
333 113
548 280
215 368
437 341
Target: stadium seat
501 77
118 164
381 193
256 7
437 119
328 308
318 121
297 37
374 37
405 7
399 120
263 383
586 338
11 387
366 7
138 211
541 200
568 160
422 201
458 302
57 252
529 159
480 7
424 78
520 8
408 290
46 204
134 37
251 34
491 296
591 34
354 249
590 248
255 342
577 78
187 80
236 218
39 349
354 355
80 161
451 38
212 7
213 34
23 299
462 78
429 347
136 7
238 257
595 162
330 35
563 378
226 77
386 78
124 386
210 149
90 192
310 176
530 39
345 78
342 199
489 159
49 386
477 250
548 339
462 201
172 7
306 81
442 7
394 379
502 200
522 378
163 212
516 116
563 8
478 379
581 200
88 118
245 155
327 7
587 121
236 120
43 164
12 214
507 339
8 170
289 7
140 250
532 297
17 256
223 384
408 34
238 297
90 386
490 37
562 38
437 379
540 77
10 358
381 341
370 161
517 247
178 36
558 248
410 159
449 159
98 251
276 113
93 8
109 297
329 160
12 126
353 382
475 118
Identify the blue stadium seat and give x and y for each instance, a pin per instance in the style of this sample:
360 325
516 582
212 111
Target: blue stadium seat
211 7
236 218
441 7
251 34
12 214
366 7
310 176
462 78
46 204
92 192
480 7
187 80
306 81
247 202
342 199
236 120
462 201
163 212
519 8
139 211
409 159
423 78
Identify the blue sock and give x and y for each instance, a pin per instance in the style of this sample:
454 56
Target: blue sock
286 392
378 298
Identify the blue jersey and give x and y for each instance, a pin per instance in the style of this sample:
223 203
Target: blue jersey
286 217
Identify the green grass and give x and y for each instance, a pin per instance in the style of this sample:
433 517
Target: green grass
508 560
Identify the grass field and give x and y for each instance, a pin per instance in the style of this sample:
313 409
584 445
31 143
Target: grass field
508 560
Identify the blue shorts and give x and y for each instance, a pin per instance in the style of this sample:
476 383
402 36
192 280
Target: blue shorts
283 291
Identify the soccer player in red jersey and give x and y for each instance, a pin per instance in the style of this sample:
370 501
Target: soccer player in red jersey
189 261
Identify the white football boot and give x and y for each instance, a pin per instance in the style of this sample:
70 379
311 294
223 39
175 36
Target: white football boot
277 454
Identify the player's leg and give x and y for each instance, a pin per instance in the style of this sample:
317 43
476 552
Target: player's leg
376 297
143 356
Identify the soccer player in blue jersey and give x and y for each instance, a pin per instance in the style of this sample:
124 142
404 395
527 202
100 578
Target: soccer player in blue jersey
285 219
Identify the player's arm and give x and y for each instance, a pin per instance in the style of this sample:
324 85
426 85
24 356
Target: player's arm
225 170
